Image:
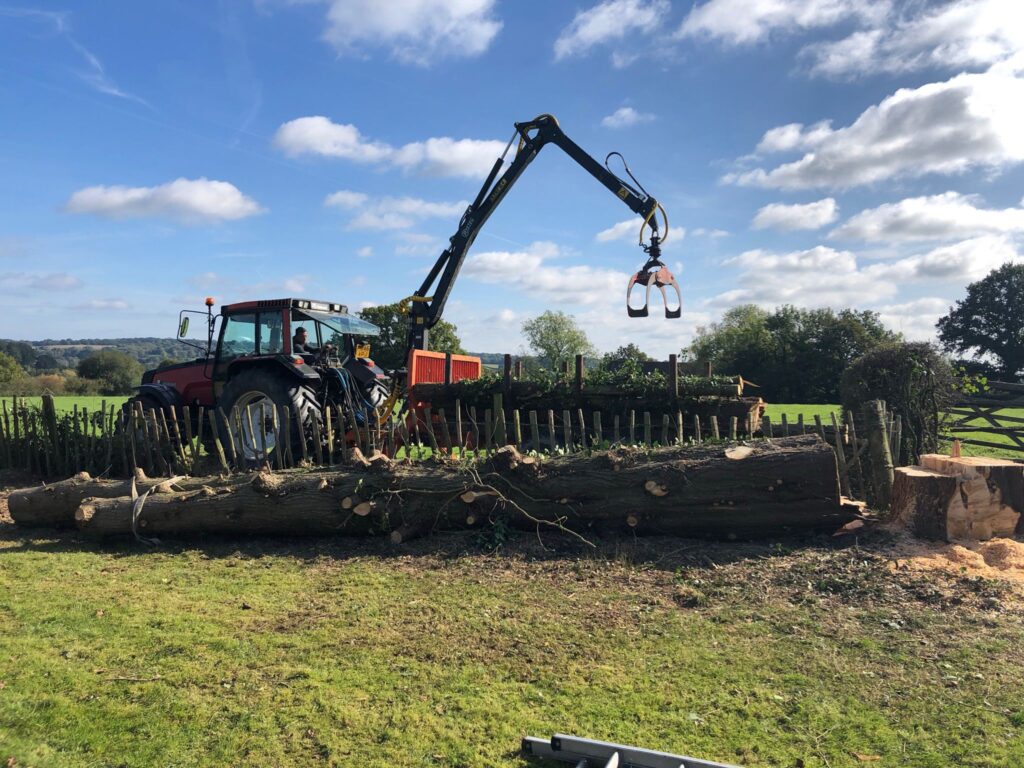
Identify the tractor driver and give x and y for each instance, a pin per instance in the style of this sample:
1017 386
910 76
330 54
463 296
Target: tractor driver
300 345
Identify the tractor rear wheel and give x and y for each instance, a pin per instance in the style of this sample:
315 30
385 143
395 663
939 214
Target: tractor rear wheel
248 404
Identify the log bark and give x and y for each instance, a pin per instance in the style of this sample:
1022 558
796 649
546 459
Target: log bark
785 485
53 505
966 497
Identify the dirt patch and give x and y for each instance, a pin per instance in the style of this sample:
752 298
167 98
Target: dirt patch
994 559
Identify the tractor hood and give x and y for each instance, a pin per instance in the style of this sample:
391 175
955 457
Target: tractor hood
349 324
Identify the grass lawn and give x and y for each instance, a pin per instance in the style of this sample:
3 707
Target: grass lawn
447 653
67 403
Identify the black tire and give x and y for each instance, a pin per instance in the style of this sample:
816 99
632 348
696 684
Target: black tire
251 387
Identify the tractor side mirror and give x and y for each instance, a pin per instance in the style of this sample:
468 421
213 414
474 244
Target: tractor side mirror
183 328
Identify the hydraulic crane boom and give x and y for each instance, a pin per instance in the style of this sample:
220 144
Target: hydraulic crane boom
427 304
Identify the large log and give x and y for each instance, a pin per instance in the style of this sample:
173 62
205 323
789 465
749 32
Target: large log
962 497
765 488
53 505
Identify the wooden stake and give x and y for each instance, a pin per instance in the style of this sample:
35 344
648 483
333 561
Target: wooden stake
714 427
583 426
517 428
218 447
785 426
697 438
445 434
647 429
567 430
534 431
615 429
766 427
598 431
552 437
844 474
733 423
680 430
665 422
632 427
459 434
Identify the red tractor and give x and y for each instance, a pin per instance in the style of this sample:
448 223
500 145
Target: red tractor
296 353
260 360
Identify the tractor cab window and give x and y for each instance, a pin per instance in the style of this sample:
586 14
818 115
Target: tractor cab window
239 337
271 327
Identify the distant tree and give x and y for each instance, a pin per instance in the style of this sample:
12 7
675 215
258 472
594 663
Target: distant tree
614 360
555 336
10 371
116 372
21 351
794 355
46 362
990 321
388 349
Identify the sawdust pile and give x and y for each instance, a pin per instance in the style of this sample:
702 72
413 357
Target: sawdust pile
992 559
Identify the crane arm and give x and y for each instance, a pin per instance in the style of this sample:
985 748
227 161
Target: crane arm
426 305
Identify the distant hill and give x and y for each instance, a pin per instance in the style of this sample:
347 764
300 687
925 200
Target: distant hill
49 354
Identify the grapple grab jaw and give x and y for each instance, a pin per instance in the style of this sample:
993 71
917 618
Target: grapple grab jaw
657 274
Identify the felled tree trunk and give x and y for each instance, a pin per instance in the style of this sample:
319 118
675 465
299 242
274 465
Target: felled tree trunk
761 489
960 497
53 505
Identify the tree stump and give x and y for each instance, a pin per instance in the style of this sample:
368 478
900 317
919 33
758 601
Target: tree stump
965 497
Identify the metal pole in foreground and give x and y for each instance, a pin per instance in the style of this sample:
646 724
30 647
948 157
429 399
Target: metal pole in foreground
587 753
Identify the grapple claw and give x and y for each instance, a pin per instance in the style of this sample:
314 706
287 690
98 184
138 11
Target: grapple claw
657 274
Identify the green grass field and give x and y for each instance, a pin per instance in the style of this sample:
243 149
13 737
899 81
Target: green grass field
67 403
351 653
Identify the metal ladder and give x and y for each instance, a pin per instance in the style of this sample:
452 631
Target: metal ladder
587 753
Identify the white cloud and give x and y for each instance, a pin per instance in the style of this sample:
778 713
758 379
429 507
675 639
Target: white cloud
624 230
624 117
914 319
527 270
789 217
188 200
714 234
104 304
94 73
418 244
347 199
825 277
387 213
415 31
739 22
50 281
365 252
969 121
318 135
954 36
786 138
958 263
934 217
608 22
449 157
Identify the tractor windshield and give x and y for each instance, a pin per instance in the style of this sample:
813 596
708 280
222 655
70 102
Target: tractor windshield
343 324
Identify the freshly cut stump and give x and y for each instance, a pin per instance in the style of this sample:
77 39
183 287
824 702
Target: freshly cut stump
965 497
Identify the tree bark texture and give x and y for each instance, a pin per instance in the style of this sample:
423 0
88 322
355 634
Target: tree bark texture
779 486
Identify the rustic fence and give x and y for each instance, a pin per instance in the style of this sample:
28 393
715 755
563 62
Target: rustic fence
987 416
115 440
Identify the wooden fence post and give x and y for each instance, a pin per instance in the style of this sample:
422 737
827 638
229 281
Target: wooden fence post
880 469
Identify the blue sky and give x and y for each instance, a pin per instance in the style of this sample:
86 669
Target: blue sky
838 153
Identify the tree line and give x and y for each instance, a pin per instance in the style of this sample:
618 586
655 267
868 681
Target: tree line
793 355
